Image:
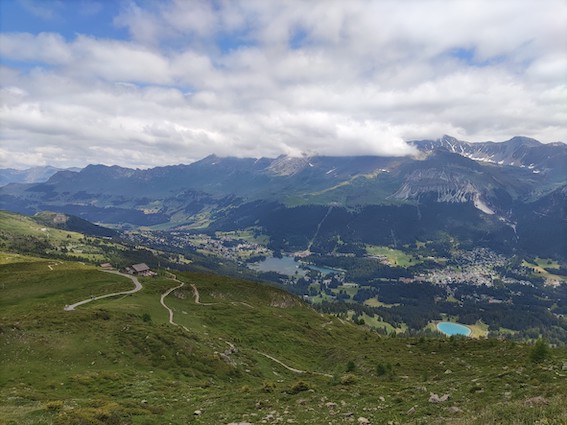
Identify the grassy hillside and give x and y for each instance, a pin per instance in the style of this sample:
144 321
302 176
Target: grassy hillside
119 360
72 223
33 236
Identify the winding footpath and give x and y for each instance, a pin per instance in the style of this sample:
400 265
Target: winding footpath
54 263
197 297
138 286
134 279
198 302
282 363
292 368
170 311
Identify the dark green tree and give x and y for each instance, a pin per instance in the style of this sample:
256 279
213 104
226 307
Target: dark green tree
539 352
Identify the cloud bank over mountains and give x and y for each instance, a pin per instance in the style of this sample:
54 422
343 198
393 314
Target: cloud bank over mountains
174 81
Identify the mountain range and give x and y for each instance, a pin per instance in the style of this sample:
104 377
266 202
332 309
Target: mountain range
512 194
29 175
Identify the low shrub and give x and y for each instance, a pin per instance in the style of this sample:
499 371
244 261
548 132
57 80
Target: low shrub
54 406
348 379
298 387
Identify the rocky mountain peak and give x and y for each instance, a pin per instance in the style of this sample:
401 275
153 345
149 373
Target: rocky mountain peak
286 165
523 141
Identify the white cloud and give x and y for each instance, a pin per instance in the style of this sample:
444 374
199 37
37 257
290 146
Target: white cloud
116 61
142 24
47 48
257 78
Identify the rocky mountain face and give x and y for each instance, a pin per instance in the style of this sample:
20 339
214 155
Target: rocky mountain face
501 183
448 177
523 152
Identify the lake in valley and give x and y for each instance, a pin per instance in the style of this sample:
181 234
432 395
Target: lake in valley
449 329
288 266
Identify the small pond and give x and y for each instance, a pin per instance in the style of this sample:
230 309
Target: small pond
449 328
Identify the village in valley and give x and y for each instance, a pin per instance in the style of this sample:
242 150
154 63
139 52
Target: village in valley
239 247
248 250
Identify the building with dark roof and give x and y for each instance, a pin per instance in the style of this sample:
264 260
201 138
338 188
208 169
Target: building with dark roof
141 269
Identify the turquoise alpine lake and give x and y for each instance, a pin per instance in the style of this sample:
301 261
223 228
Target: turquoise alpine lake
449 328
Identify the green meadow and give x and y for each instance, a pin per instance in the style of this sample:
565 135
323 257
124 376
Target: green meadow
25 235
245 353
395 257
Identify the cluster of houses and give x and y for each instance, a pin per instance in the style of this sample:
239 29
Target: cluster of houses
141 269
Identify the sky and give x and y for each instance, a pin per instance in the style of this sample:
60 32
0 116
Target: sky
144 83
